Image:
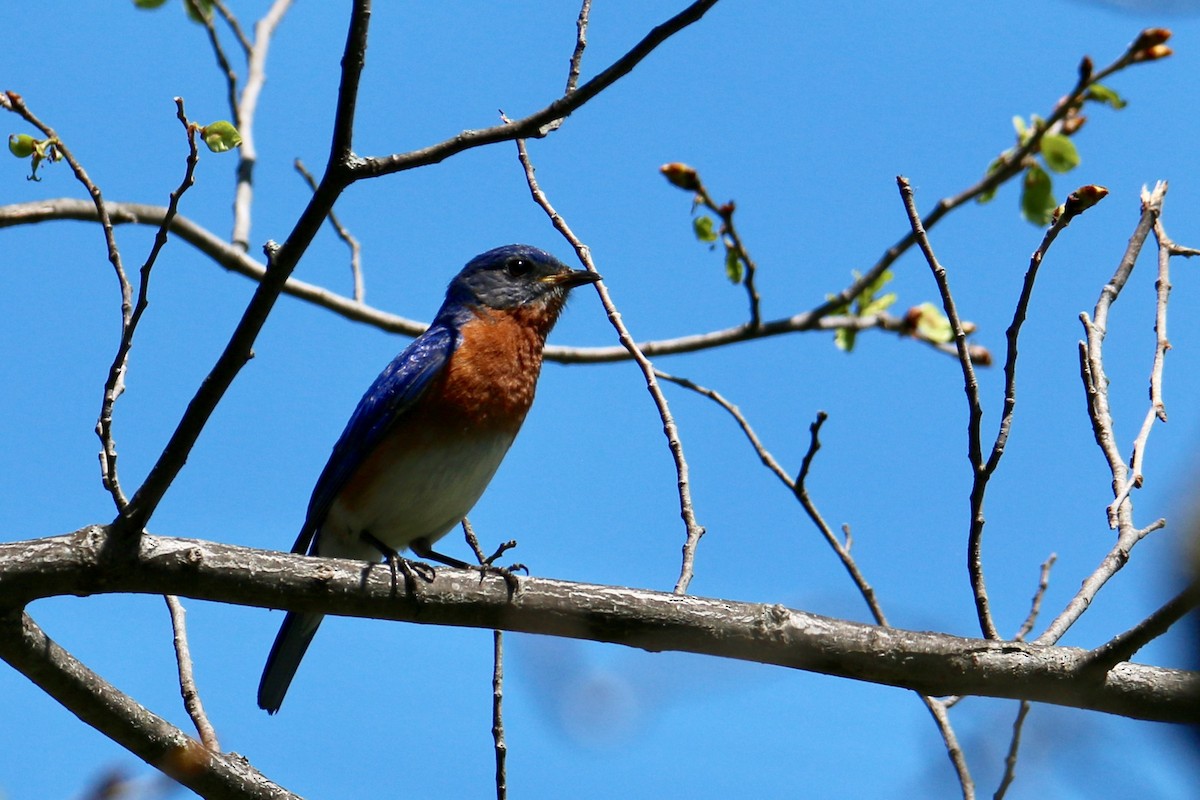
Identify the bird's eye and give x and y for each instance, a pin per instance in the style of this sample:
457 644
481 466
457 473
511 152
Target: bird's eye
518 267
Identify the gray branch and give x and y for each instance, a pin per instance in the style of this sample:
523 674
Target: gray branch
92 562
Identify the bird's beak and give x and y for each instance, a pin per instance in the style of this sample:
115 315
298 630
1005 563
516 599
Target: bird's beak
571 278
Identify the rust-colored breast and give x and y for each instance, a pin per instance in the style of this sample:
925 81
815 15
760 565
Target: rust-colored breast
490 380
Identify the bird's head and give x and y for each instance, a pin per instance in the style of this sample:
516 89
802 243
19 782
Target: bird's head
515 276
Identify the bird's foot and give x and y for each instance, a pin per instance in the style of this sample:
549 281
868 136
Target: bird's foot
412 570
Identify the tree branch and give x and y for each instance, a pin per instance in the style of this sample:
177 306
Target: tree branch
160 744
235 260
94 560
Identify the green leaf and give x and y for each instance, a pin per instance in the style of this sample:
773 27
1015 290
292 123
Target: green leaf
221 136
702 226
733 265
205 10
1059 152
149 4
1102 94
843 339
1037 196
867 297
878 305
993 167
1020 127
933 325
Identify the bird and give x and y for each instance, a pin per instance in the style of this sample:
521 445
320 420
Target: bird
428 435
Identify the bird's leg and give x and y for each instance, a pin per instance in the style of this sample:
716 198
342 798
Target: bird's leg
394 560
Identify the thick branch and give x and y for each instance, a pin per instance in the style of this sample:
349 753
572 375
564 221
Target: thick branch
91 561
98 703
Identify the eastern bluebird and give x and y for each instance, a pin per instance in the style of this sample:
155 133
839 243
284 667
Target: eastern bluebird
428 435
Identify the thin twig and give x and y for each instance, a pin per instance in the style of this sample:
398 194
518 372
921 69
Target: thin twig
281 262
581 26
539 123
796 487
937 709
1157 410
800 490
1092 359
1095 382
114 386
975 415
693 529
1123 646
1008 166
247 106
982 471
187 680
1039 595
1110 565
234 25
953 749
733 246
343 234
500 746
227 71
1014 747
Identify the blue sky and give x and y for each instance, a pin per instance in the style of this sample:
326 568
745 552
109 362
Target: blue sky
803 113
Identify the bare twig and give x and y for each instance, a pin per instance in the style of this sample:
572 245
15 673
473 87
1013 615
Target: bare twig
227 71
233 24
499 744
539 123
975 415
115 383
1123 646
981 470
796 487
1014 747
1157 410
937 708
343 234
842 549
739 266
581 26
1039 595
1095 382
693 530
187 680
953 749
1110 565
1120 515
247 106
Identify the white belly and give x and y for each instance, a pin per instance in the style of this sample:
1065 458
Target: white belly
414 495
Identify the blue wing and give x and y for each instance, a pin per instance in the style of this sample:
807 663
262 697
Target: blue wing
390 396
